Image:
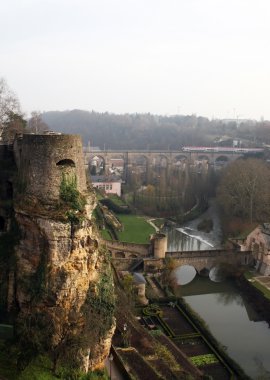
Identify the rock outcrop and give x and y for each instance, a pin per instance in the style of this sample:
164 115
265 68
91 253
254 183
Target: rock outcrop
62 285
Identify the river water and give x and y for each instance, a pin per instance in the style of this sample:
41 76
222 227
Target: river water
230 318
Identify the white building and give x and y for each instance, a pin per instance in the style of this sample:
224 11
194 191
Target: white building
108 184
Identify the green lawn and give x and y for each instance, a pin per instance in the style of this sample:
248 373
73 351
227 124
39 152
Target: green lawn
136 229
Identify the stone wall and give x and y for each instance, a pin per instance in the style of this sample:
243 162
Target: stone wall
7 177
120 249
123 264
258 242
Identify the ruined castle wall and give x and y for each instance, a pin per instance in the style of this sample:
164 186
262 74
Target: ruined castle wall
43 159
114 246
58 281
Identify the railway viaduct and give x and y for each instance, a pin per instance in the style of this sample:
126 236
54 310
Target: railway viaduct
163 158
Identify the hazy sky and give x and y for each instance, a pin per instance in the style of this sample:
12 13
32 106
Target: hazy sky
209 57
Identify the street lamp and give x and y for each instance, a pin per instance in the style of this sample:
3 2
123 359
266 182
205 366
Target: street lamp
110 361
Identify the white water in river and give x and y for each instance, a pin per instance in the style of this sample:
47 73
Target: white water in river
188 238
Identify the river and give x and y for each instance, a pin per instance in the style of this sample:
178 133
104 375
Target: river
230 318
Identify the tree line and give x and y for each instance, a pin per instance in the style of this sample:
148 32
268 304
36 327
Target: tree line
129 131
244 187
150 132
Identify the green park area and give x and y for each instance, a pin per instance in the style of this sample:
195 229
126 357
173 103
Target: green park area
135 229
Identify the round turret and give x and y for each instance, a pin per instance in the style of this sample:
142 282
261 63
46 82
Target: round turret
159 242
43 161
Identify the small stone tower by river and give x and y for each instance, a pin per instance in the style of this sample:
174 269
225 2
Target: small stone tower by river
159 243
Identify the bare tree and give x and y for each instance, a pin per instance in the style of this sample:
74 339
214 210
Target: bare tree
244 189
11 117
36 124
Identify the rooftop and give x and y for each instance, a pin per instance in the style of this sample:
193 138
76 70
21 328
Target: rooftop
105 178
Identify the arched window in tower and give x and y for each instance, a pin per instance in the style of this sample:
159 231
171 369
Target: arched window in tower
66 162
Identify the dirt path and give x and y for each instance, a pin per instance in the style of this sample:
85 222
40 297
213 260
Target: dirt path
152 224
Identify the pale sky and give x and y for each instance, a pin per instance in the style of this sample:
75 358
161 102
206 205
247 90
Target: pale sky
208 57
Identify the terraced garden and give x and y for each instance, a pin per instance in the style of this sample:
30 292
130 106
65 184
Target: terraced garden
173 321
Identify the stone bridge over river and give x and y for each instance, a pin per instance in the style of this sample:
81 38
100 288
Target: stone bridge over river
207 259
153 255
201 260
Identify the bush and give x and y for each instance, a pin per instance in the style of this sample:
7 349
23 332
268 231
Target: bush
164 354
70 194
114 207
72 374
72 197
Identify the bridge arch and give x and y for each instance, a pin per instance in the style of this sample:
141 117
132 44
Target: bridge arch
203 157
142 166
120 255
183 274
141 161
131 256
97 164
222 160
116 163
180 160
161 161
204 272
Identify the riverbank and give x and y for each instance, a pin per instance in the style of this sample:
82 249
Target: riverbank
255 297
188 332
233 319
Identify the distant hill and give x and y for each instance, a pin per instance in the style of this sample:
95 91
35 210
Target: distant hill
144 131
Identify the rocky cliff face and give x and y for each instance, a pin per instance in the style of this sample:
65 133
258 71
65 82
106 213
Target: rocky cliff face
62 285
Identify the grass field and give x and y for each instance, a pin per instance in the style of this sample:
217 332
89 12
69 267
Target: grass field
136 229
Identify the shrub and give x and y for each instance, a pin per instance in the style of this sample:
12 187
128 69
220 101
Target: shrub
163 353
114 207
72 197
70 194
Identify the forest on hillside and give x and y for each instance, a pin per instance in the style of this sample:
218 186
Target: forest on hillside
147 131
